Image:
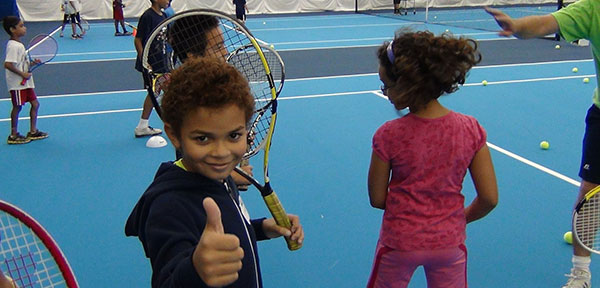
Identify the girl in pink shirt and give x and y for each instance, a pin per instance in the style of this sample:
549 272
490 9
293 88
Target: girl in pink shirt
427 153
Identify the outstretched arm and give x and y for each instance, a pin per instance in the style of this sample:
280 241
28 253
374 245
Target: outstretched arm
525 27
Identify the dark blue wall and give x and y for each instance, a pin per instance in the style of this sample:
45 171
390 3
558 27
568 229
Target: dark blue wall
8 7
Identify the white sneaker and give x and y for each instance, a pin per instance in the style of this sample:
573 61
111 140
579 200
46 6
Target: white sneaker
579 279
146 131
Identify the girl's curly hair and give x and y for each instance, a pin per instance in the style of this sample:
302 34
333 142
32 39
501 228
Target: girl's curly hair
205 82
426 66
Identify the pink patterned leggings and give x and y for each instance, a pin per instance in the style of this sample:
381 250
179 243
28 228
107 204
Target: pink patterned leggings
444 268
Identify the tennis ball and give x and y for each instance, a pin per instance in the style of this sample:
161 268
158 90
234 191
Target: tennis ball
272 46
568 237
484 82
544 145
264 23
586 80
557 47
575 70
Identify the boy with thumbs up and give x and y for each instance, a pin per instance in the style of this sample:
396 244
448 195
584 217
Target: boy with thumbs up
191 221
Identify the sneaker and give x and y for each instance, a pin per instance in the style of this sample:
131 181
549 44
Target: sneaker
147 131
62 34
74 37
127 33
37 135
118 34
579 279
17 139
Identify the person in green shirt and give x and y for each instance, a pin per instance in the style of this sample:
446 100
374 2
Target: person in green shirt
580 20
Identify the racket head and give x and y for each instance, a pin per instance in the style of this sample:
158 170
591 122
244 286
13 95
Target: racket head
28 254
586 221
276 65
210 33
42 47
85 25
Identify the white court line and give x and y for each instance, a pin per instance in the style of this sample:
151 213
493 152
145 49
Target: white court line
518 158
376 92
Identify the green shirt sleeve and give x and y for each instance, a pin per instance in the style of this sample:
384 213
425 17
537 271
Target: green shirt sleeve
575 20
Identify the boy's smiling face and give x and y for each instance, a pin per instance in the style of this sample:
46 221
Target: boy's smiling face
212 141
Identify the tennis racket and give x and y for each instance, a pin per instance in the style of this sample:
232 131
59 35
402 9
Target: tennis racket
42 49
133 28
586 221
28 254
210 33
249 54
85 25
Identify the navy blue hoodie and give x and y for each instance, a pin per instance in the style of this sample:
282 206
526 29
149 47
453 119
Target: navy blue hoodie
169 219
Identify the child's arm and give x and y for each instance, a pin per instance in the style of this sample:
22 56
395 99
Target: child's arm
378 181
13 68
484 179
218 256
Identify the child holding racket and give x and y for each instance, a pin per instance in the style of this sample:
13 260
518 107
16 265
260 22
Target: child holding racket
579 20
147 22
191 220
16 65
118 17
429 151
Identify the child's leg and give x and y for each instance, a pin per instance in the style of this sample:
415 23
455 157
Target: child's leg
116 26
123 25
447 268
33 114
392 268
14 119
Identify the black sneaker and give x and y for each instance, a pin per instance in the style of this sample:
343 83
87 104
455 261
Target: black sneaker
17 139
37 135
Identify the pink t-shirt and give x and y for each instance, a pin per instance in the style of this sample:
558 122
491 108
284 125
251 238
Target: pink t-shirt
429 160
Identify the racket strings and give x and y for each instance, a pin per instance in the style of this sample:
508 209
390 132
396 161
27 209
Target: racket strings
42 48
26 259
587 223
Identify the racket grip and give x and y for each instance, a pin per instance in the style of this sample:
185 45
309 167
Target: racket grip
23 81
281 218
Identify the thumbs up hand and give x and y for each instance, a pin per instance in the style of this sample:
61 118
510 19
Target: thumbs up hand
218 256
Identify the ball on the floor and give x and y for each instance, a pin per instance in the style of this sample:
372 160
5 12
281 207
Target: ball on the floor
544 145
568 237
586 80
575 70
484 82
557 47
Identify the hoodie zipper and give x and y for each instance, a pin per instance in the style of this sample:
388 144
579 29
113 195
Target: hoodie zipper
247 234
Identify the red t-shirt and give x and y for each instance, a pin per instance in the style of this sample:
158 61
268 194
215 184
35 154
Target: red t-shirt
429 159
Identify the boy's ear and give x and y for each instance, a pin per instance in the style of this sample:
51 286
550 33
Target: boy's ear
172 136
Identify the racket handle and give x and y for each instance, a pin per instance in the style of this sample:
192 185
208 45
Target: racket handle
23 81
281 218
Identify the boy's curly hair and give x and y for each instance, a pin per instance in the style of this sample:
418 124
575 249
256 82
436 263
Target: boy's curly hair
10 22
426 66
204 82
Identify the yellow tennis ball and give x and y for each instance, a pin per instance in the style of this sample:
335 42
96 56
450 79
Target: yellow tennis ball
272 46
568 237
575 70
544 145
586 80
557 47
484 82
